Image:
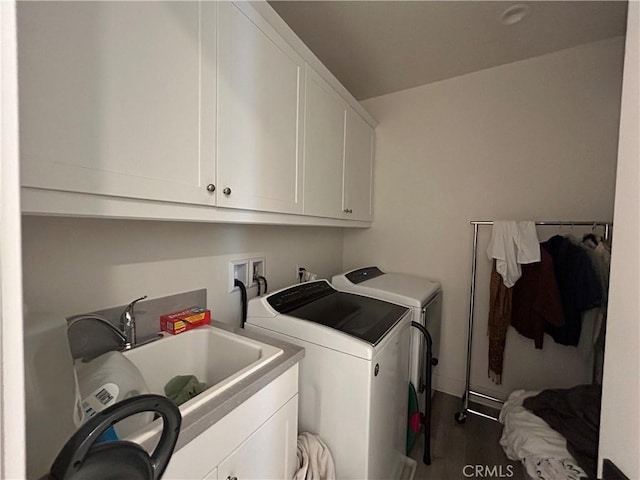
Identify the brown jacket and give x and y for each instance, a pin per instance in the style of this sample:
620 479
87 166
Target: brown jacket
536 299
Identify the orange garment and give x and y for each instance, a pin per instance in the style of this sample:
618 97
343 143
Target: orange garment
498 324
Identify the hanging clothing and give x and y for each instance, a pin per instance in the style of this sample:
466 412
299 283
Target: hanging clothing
512 244
600 255
578 285
536 300
591 319
498 323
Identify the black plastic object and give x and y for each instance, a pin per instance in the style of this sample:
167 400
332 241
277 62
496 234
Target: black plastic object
81 459
363 274
243 299
611 472
299 295
266 285
429 363
366 318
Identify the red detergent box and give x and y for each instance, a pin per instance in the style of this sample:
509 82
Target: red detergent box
184 320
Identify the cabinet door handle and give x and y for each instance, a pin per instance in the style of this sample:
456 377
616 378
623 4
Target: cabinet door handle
211 188
232 478
227 191
346 210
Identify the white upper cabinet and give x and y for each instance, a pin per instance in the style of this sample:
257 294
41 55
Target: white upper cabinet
324 132
118 98
259 114
358 172
338 155
163 110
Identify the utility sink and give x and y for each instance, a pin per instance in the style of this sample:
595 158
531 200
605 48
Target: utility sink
217 357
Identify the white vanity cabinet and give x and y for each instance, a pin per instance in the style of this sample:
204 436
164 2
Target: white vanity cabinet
118 98
257 440
260 87
270 453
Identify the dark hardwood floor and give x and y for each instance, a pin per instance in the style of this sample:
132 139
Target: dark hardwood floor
454 447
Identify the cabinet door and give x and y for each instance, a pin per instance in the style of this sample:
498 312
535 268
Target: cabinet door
259 114
110 97
269 453
323 149
358 167
212 475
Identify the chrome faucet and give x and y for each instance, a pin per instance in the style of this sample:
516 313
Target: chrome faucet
128 324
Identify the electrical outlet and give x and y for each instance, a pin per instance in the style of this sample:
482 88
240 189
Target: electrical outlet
257 268
238 269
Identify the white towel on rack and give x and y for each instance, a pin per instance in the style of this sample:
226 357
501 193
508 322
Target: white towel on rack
512 244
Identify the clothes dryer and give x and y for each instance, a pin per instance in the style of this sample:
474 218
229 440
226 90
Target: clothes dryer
421 295
354 376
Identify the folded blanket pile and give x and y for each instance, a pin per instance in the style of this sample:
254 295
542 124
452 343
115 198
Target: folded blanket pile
574 413
542 450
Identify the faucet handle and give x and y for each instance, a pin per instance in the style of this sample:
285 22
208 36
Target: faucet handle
127 313
130 306
128 324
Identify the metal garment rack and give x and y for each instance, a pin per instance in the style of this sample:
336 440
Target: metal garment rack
461 416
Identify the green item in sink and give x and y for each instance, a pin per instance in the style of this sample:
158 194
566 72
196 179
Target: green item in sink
183 388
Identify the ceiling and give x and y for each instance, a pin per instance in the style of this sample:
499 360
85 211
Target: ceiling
379 47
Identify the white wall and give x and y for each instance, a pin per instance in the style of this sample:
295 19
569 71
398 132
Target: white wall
535 139
620 424
12 395
74 265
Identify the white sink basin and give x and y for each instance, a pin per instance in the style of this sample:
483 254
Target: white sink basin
216 357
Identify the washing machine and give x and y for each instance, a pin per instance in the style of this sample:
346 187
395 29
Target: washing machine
354 376
421 295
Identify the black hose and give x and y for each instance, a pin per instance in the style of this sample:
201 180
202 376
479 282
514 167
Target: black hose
258 278
429 362
243 297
